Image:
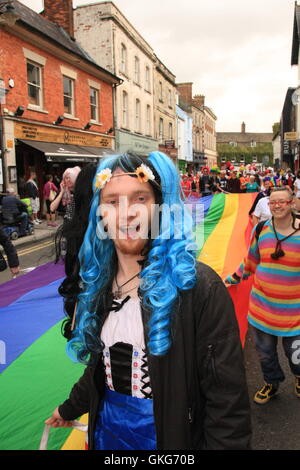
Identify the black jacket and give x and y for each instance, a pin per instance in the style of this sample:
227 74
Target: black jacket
199 388
12 207
9 249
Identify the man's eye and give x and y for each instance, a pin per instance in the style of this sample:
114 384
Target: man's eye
142 199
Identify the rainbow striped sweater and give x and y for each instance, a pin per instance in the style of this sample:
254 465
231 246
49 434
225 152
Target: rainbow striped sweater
274 305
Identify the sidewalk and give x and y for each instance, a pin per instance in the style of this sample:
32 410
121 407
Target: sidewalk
41 232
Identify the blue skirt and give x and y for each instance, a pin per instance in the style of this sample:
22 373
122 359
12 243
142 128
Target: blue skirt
125 423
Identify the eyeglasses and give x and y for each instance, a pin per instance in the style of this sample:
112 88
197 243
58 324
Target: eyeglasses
280 202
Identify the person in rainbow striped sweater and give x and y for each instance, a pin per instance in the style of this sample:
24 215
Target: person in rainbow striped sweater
274 307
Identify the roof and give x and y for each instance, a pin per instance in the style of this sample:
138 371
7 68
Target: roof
54 32
244 137
296 36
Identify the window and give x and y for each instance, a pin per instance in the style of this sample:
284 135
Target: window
147 79
148 120
170 98
253 143
170 131
34 83
94 104
233 144
68 95
160 91
123 67
125 109
137 115
137 70
161 129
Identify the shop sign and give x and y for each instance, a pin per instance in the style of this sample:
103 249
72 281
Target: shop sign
25 131
170 144
286 147
290 135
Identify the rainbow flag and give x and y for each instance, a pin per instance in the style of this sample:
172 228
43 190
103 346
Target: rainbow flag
223 234
36 375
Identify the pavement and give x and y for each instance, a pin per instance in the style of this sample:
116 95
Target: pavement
41 232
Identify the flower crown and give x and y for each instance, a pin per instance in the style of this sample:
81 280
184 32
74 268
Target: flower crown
143 174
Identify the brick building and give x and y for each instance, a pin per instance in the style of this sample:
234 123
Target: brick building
57 103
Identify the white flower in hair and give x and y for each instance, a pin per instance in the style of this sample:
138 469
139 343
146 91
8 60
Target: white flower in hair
103 177
144 173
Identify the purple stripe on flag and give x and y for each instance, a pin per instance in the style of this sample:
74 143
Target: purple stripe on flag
10 291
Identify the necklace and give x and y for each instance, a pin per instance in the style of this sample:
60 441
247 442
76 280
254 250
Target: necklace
279 251
118 292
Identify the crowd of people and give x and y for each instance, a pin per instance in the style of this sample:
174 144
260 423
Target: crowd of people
233 180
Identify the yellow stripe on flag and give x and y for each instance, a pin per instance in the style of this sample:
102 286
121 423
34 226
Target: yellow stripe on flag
76 440
215 249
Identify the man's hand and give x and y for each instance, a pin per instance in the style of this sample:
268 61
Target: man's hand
15 270
56 421
231 280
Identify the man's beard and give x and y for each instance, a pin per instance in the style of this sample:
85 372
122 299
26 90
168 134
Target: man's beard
130 247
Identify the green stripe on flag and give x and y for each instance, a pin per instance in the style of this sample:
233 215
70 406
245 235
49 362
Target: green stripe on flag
211 220
31 388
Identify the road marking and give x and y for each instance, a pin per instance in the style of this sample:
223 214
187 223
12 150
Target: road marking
26 251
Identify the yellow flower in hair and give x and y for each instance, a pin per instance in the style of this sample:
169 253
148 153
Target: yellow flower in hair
144 174
103 177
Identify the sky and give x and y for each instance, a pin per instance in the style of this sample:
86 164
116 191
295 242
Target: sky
236 52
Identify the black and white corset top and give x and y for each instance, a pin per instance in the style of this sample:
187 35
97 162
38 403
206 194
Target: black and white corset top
124 355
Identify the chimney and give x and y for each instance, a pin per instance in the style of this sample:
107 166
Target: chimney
243 128
199 100
185 91
61 13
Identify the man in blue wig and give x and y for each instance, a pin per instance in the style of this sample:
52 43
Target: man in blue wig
156 329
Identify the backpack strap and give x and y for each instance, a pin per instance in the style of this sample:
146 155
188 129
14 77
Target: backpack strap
259 228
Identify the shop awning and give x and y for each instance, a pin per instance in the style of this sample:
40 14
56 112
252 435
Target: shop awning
56 152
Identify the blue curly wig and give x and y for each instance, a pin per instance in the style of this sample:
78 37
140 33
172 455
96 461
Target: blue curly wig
170 266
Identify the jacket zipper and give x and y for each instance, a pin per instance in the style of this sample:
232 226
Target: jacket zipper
210 360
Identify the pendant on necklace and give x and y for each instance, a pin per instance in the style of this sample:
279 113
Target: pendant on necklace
117 294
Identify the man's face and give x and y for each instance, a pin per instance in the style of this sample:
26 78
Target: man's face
280 204
267 184
205 171
127 206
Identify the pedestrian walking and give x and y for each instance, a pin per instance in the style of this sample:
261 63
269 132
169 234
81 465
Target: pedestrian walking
158 331
274 260
297 185
233 183
50 191
252 186
33 192
11 253
205 182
